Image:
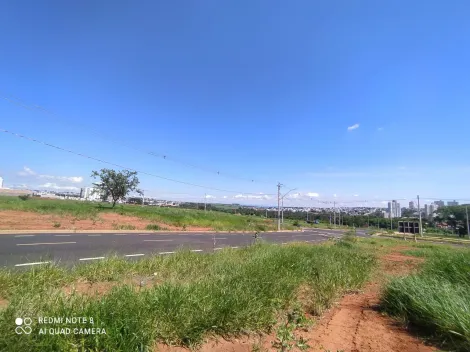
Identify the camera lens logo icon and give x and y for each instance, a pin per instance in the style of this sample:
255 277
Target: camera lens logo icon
23 326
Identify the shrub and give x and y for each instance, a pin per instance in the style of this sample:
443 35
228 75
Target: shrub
24 196
57 224
153 227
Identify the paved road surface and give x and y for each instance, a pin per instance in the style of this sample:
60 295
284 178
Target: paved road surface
26 249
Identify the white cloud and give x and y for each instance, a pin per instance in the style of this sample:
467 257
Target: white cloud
356 195
55 186
225 197
353 127
401 168
312 194
26 172
295 195
334 195
252 196
380 129
210 196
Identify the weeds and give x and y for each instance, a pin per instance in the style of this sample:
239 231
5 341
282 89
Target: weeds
194 295
56 224
123 227
153 227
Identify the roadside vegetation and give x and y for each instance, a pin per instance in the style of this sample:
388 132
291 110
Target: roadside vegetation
436 299
177 217
182 298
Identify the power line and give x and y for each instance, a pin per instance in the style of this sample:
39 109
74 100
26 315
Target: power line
18 102
122 167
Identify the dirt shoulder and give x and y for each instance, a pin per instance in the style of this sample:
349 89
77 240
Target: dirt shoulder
354 324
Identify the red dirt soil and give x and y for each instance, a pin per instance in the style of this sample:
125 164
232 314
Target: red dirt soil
22 220
353 325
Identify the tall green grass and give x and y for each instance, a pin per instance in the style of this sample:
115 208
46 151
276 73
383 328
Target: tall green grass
171 216
228 293
436 299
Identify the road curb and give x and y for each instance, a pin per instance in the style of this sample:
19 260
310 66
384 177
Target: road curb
15 232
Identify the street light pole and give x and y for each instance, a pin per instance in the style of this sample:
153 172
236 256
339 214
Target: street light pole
282 201
420 221
468 227
278 207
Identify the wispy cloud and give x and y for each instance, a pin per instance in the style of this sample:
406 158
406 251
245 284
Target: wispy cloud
313 194
57 187
28 172
252 196
380 129
353 127
210 196
356 195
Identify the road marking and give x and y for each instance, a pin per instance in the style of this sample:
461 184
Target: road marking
45 243
62 235
234 247
196 250
158 240
145 234
134 255
24 236
91 258
284 242
218 249
122 234
37 263
93 235
166 252
221 238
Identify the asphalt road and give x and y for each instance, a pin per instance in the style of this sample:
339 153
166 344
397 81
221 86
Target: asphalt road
25 250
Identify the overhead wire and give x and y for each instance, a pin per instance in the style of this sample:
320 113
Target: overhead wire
18 102
124 167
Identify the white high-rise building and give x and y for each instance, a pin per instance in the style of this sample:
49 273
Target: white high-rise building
394 209
412 205
89 193
1 182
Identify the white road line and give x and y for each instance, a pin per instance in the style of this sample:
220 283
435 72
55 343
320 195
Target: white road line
91 258
134 255
196 250
37 263
45 243
158 240
144 234
166 252
234 247
62 235
284 242
221 238
122 234
218 249
24 236
94 235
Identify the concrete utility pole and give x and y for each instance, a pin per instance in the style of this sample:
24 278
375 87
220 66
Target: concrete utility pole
420 221
205 201
282 201
278 207
334 213
143 198
468 227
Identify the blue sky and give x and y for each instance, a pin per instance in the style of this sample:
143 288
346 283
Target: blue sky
262 90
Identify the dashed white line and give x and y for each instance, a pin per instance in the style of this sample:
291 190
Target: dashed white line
37 263
158 240
218 249
234 247
284 242
221 238
134 255
94 235
24 236
91 258
122 234
62 235
196 250
166 252
44 243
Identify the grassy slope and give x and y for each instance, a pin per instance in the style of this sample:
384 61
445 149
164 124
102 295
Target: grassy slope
227 293
170 216
436 299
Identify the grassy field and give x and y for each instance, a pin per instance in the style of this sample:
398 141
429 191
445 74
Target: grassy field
170 216
228 293
436 300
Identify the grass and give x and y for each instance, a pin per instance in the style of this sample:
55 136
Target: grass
230 292
178 217
436 299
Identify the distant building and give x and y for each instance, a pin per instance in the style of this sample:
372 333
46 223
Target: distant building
386 214
412 205
394 209
1 182
439 203
452 203
90 193
431 210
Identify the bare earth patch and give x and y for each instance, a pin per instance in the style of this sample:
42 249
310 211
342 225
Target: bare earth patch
23 220
353 325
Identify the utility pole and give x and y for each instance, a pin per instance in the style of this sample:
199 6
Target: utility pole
282 210
279 207
266 213
334 213
143 198
339 218
420 221
468 227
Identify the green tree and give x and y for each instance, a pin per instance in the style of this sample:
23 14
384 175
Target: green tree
115 184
